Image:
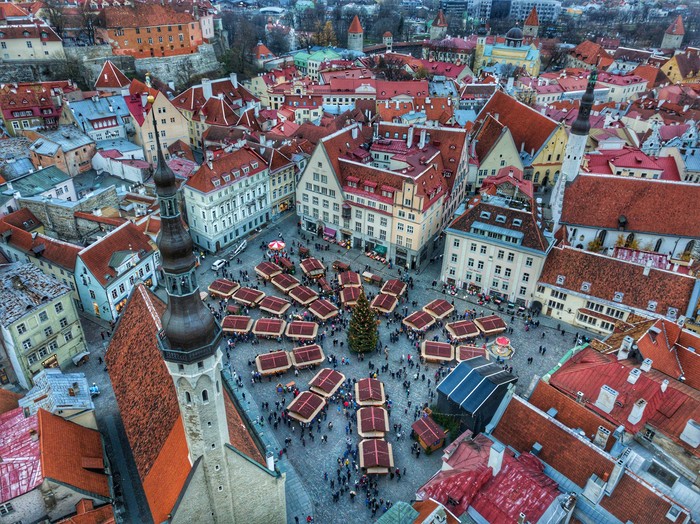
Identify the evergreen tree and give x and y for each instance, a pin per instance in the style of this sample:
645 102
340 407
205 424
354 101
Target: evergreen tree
362 332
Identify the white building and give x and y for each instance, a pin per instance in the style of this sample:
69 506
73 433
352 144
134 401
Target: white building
227 198
547 10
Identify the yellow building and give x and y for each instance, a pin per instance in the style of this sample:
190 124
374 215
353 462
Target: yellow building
683 68
511 52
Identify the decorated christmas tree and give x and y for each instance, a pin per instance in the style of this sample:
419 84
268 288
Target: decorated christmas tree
362 332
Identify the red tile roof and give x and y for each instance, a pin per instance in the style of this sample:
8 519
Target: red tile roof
667 411
440 20
142 14
529 127
238 432
8 400
55 251
355 26
676 27
20 469
608 276
127 237
650 206
111 77
569 412
589 52
229 164
23 218
508 175
72 454
29 30
87 514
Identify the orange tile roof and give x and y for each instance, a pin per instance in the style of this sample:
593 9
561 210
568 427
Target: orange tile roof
440 20
227 164
532 18
589 52
72 454
87 514
355 26
8 400
676 28
166 478
142 14
529 127
23 218
55 251
239 435
650 206
96 257
111 77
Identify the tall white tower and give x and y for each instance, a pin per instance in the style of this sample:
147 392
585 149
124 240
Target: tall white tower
575 149
356 36
189 344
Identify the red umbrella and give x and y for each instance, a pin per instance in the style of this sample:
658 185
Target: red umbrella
276 245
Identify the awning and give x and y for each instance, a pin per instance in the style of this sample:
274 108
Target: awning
329 232
380 250
80 356
346 232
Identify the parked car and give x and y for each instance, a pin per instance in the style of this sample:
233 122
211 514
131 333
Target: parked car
218 264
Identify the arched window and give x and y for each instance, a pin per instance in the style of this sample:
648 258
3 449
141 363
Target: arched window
657 247
630 240
205 395
188 397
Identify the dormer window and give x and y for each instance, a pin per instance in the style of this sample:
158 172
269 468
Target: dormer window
227 177
500 219
236 174
352 184
672 313
517 222
369 189
651 306
216 182
485 215
245 170
586 286
560 279
254 165
618 296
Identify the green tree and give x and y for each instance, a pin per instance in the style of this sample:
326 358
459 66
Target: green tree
325 35
362 332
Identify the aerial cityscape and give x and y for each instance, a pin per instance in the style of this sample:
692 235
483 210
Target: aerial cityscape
384 261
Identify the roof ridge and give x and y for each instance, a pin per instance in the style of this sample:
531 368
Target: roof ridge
87 248
150 306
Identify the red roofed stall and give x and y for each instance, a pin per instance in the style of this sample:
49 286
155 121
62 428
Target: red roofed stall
285 282
326 382
429 433
490 325
306 406
248 296
267 270
312 267
223 288
303 295
384 303
433 351
307 356
462 329
323 309
349 279
350 295
467 352
372 422
273 363
274 305
394 287
269 327
301 330
439 308
370 392
236 324
419 320
376 456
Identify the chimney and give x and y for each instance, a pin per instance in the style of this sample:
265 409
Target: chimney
601 437
144 99
633 376
625 348
647 268
206 88
646 364
234 79
354 133
521 518
691 433
617 471
664 385
496 457
97 212
34 434
606 399
409 138
423 133
637 411
580 397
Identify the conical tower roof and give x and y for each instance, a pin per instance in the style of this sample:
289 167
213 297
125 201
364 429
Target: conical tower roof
355 26
532 18
676 28
440 20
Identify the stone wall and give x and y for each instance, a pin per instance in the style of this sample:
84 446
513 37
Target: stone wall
59 220
167 68
91 59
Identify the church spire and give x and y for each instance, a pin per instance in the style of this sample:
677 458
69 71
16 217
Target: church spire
582 124
190 331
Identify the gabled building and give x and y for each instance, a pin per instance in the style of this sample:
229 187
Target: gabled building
653 215
111 79
107 270
30 39
513 51
38 321
32 105
540 140
101 118
673 36
493 149
227 198
683 68
438 29
50 466
66 147
595 291
589 55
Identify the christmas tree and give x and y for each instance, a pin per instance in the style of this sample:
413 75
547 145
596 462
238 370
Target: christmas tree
362 333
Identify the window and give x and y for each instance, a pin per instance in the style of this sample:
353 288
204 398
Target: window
6 509
528 261
92 294
618 296
32 359
59 307
483 250
409 229
561 279
480 265
507 272
511 257
526 277
523 290
370 231
497 270
205 396
27 344
453 258
585 286
21 329
48 331
68 336
455 243
399 226
501 253
188 397
470 262
383 222
472 247
43 316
